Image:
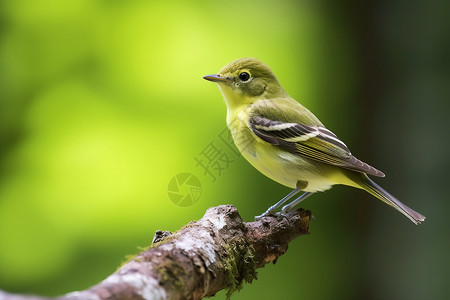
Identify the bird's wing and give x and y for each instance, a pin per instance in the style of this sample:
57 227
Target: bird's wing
314 141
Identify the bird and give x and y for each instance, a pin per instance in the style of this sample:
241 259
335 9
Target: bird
286 142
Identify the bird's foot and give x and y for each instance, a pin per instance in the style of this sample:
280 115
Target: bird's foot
280 215
268 212
287 208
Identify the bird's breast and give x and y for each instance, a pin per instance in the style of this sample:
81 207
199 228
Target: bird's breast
279 165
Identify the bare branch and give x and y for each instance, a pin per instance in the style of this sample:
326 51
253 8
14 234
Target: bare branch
217 252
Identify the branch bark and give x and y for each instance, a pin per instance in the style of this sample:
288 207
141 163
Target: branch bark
217 252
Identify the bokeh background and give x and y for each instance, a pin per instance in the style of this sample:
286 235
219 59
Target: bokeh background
102 103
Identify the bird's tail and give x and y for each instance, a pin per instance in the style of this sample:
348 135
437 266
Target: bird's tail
377 191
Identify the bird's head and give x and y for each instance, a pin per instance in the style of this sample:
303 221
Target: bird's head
245 81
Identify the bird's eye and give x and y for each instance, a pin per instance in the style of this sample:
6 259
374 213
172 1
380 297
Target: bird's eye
244 76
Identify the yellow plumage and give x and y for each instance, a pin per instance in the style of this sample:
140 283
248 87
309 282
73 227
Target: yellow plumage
286 142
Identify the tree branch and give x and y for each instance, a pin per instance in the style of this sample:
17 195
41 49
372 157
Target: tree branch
217 252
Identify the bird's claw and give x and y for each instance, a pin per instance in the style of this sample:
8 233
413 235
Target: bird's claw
265 214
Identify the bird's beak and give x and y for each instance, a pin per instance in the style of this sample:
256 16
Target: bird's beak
216 78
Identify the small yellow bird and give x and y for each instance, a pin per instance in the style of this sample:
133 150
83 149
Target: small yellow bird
286 142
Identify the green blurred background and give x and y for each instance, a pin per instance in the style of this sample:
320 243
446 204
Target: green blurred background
102 103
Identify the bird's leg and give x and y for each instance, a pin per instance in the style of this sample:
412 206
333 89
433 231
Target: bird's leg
271 209
289 207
